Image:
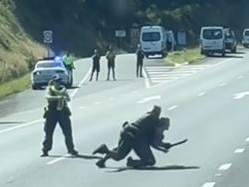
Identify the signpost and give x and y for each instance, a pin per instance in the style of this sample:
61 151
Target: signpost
120 34
48 39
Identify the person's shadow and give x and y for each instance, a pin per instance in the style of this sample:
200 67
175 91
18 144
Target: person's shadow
87 157
152 168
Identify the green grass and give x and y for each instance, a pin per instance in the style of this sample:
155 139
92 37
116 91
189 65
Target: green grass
15 86
189 55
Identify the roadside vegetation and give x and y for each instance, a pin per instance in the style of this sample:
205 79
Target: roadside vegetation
185 56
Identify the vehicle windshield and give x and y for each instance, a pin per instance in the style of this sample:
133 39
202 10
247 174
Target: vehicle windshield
211 34
246 33
49 64
151 36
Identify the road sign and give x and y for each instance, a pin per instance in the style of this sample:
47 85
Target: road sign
120 33
48 37
182 38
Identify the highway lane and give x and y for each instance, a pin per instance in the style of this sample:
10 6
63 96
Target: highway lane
201 107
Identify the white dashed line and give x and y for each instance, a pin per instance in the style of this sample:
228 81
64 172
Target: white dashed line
173 107
148 99
225 167
55 160
240 77
218 175
209 184
247 139
201 94
223 84
240 150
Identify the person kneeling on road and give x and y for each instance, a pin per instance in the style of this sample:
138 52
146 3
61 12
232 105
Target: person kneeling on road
57 111
139 136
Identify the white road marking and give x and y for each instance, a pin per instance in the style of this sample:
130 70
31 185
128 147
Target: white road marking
148 99
21 126
111 99
146 79
225 167
82 107
56 160
81 83
173 107
202 94
223 84
240 77
218 175
97 103
135 91
247 139
209 184
240 150
241 95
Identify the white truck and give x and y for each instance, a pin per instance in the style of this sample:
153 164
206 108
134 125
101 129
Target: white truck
245 39
212 40
153 40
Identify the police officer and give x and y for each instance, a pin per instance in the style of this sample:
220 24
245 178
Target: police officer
96 64
140 58
110 56
69 64
138 136
57 111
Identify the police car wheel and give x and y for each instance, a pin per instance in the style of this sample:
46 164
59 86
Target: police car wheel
35 87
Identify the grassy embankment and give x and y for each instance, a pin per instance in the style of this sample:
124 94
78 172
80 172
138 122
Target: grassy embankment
18 52
185 56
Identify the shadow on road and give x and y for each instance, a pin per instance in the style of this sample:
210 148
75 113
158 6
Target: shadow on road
153 168
10 122
87 157
226 56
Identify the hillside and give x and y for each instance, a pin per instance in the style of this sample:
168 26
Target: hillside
17 49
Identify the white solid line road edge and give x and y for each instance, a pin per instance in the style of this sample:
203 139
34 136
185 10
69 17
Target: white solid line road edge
21 126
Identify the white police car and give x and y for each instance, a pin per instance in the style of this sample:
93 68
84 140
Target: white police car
45 69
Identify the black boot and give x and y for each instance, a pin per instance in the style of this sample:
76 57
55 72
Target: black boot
102 149
101 163
44 154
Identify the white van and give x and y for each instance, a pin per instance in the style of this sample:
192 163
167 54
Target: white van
245 40
153 40
212 40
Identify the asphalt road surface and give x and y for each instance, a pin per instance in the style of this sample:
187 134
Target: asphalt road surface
207 103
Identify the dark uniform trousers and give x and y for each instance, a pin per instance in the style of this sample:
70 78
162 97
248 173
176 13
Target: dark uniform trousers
139 144
111 65
52 118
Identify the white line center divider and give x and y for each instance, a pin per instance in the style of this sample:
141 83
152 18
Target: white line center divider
225 167
148 99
